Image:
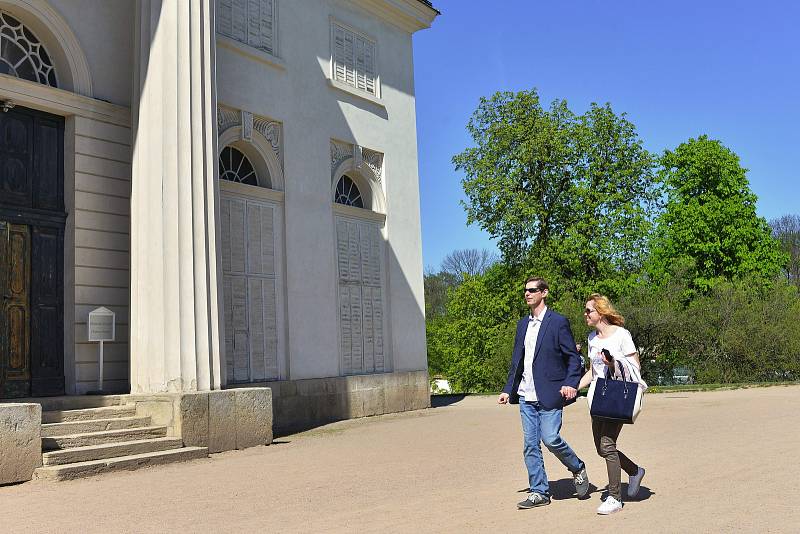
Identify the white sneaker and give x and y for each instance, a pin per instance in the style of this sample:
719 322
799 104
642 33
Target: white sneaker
634 482
609 506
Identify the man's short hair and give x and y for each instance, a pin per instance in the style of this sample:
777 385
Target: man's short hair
540 282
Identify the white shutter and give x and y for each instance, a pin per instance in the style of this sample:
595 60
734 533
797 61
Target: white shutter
356 328
270 314
224 17
360 296
267 26
377 329
241 349
239 20
236 239
255 305
354 59
250 290
340 59
227 289
346 330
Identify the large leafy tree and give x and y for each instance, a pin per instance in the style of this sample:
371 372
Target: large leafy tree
710 219
570 195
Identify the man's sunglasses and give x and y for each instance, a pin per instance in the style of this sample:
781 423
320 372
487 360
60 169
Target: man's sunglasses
533 289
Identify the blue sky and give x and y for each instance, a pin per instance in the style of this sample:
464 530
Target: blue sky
679 69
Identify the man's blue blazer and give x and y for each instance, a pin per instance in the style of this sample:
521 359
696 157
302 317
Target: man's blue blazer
556 362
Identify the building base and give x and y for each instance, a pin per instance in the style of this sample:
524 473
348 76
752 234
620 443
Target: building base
219 420
302 404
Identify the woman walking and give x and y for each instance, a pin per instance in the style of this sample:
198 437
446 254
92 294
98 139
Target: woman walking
611 347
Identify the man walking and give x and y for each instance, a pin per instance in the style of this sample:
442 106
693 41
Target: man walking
544 375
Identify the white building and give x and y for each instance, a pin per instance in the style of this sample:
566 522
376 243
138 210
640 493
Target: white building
236 179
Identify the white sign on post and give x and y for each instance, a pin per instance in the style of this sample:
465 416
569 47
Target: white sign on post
101 328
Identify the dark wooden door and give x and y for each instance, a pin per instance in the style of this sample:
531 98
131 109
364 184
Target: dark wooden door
15 312
32 258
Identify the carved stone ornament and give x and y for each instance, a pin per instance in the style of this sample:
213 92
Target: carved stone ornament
270 130
373 160
247 126
227 118
341 152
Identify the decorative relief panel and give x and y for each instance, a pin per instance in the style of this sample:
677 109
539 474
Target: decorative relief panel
341 152
270 130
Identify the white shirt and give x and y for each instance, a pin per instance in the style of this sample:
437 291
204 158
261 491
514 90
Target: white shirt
620 344
526 388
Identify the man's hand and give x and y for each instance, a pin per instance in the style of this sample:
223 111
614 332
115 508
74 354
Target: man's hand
503 398
568 392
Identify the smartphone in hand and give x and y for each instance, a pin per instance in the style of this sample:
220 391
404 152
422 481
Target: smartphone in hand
609 358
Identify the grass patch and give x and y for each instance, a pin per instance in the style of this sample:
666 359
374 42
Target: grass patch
717 387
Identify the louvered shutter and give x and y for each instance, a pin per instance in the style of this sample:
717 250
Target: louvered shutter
250 290
224 17
249 21
360 296
354 60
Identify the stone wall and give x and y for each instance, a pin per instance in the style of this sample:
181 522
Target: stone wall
220 420
302 404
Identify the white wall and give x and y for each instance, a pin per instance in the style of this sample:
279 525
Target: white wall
104 29
297 93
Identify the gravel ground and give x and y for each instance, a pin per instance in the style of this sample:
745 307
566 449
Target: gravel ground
723 461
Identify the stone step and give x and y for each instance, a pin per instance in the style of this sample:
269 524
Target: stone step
85 414
122 463
97 438
110 450
93 425
74 402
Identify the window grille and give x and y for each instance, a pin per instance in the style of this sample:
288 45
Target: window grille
354 60
22 54
251 22
235 167
347 193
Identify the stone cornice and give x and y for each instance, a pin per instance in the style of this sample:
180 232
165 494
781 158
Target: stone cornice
408 15
61 102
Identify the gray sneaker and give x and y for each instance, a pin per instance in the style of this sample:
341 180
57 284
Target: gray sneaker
635 482
581 480
534 500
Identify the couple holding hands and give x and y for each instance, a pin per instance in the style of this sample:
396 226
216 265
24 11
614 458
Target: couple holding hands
546 373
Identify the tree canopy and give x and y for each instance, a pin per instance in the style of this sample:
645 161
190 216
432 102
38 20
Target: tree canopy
710 218
560 190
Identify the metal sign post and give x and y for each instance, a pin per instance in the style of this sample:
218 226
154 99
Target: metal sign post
101 327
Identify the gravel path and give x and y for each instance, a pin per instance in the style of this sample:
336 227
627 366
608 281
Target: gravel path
716 462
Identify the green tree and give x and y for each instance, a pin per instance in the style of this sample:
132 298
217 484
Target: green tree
710 218
570 195
786 230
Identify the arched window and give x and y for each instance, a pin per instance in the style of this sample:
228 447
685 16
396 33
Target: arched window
22 54
235 167
347 193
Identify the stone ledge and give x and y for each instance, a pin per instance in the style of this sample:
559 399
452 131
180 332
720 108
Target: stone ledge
20 441
219 420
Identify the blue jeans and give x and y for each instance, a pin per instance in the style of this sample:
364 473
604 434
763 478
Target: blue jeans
539 424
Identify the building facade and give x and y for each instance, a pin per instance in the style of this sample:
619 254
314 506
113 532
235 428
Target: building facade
235 179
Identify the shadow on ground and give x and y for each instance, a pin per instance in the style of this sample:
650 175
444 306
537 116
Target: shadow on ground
439 401
565 489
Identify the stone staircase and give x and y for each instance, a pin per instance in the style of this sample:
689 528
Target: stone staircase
85 436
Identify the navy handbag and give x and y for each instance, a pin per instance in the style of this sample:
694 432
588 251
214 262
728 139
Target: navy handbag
615 400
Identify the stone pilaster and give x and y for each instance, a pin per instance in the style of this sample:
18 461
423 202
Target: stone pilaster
174 318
